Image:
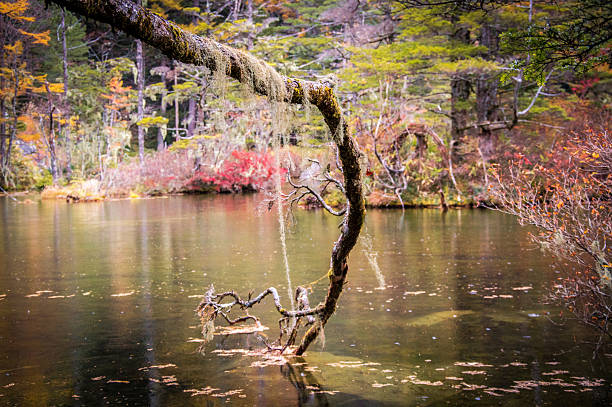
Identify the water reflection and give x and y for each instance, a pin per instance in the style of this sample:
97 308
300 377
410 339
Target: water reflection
96 306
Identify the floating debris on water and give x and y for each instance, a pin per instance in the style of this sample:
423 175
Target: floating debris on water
381 384
122 294
352 364
240 330
146 368
472 364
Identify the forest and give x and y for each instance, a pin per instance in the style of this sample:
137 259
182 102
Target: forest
437 95
344 106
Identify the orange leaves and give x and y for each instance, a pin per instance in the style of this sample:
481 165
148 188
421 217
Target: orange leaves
31 132
15 49
16 10
39 38
118 97
56 87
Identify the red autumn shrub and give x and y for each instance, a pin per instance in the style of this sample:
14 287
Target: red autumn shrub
243 171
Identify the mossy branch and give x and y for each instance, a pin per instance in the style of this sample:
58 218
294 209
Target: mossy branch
189 48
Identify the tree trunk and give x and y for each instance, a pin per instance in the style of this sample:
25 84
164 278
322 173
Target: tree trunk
486 95
160 134
140 69
486 112
191 121
177 134
3 159
191 114
263 79
67 109
460 96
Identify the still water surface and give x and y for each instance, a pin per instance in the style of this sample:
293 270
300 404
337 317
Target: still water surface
93 295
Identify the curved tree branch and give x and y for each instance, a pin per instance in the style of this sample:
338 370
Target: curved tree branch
189 48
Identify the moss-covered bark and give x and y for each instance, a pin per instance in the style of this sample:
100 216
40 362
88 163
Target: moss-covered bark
264 80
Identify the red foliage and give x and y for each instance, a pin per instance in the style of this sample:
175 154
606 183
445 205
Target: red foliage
244 171
584 86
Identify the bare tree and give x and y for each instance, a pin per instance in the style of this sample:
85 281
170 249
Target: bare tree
568 201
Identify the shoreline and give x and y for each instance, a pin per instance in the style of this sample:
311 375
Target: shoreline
70 197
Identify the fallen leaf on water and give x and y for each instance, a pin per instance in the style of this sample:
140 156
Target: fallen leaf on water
593 383
204 391
496 389
158 366
474 372
472 364
227 393
530 384
415 380
169 380
555 372
352 364
561 383
470 387
316 389
272 361
122 294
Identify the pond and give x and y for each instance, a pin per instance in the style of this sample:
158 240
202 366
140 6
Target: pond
97 307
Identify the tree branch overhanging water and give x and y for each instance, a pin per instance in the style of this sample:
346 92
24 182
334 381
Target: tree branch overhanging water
186 47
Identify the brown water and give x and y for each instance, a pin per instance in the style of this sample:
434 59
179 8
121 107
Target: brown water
92 295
